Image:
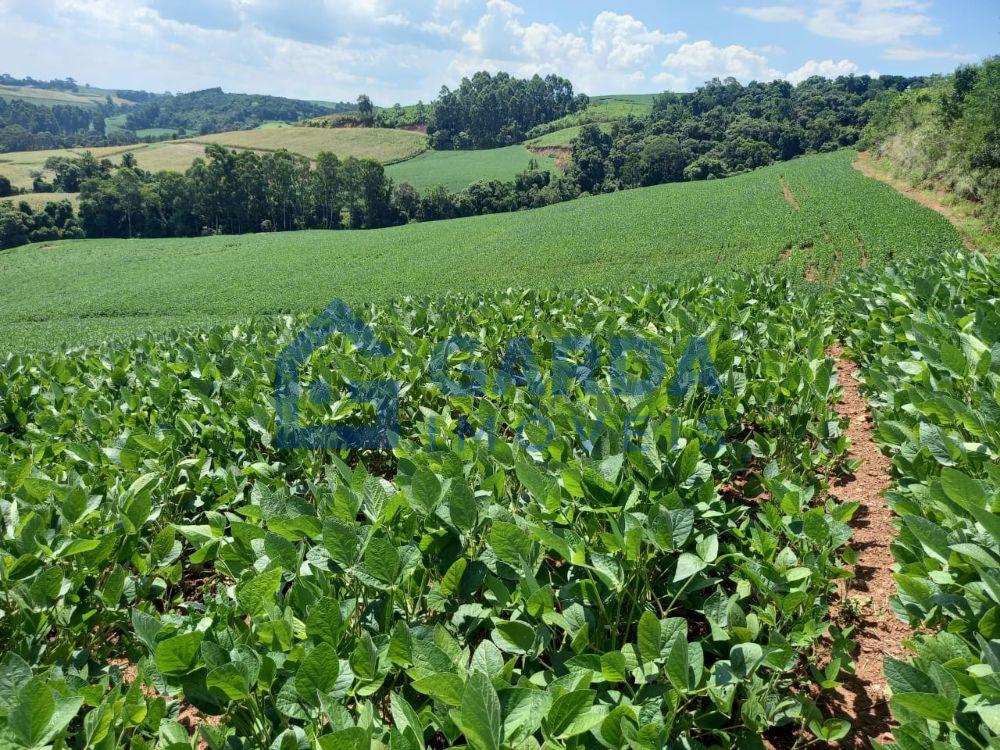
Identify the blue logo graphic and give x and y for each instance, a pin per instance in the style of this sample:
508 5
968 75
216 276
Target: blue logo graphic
575 360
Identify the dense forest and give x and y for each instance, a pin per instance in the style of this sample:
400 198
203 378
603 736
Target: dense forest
948 132
486 111
56 84
725 127
214 111
30 127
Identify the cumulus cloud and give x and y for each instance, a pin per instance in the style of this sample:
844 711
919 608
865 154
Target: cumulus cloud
916 54
825 68
621 41
208 14
774 13
613 52
698 61
864 21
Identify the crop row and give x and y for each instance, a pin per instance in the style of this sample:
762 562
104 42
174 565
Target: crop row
928 336
573 566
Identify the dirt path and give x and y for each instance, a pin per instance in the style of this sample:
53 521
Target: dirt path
562 155
788 194
862 699
866 165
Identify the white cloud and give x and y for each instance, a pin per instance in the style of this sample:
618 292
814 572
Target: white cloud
611 54
872 21
774 13
862 21
825 68
696 62
621 41
915 54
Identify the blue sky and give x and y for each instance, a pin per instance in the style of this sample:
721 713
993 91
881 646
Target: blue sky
404 50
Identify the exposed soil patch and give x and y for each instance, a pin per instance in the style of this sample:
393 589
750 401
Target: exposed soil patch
561 154
866 165
788 194
811 273
863 698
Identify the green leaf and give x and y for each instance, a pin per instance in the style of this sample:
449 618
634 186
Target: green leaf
905 678
179 655
452 580
515 637
687 566
281 551
830 730
649 637
252 595
425 489
745 657
462 507
677 663
566 718
614 667
325 622
482 722
341 541
318 671
30 717
933 706
228 681
382 560
446 687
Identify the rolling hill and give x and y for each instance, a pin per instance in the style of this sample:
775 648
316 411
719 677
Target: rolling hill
814 218
456 170
85 96
386 146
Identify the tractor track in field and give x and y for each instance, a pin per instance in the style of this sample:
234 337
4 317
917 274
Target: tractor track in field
863 600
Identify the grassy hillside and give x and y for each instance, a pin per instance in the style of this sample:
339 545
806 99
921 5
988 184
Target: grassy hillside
17 166
387 146
562 138
620 105
602 109
84 97
93 289
37 201
456 170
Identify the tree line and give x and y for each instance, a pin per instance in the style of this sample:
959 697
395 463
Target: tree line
484 111
948 132
724 128
487 111
236 192
215 111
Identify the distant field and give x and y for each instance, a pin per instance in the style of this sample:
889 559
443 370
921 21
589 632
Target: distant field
602 109
85 97
385 145
563 138
116 124
38 200
620 105
456 170
87 290
18 165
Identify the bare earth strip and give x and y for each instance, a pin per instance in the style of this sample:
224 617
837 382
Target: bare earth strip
866 166
863 698
788 195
